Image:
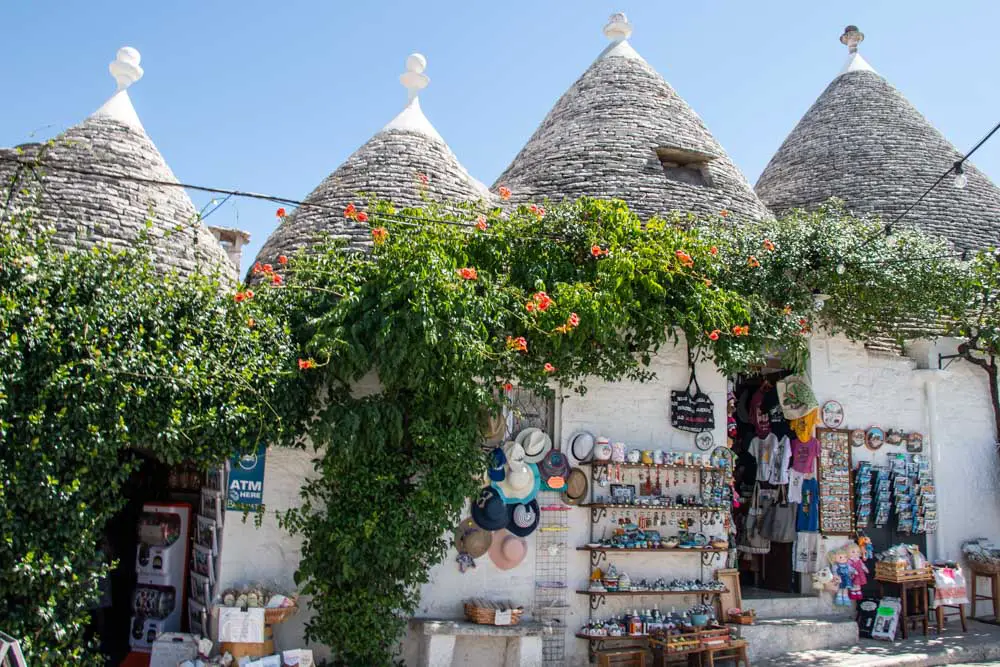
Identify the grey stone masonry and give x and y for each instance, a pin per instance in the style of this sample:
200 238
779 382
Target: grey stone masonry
389 166
87 210
863 142
616 133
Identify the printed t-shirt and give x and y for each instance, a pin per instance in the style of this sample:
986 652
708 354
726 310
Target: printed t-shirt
772 454
804 455
795 480
808 518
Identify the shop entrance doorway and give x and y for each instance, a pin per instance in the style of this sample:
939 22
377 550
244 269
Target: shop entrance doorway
152 484
764 572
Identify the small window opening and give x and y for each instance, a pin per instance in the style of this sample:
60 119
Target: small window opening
686 166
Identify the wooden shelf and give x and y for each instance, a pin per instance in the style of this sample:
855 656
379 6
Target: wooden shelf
661 466
701 591
606 637
659 550
658 508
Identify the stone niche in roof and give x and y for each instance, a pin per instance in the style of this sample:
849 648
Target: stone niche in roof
407 163
621 131
863 142
83 194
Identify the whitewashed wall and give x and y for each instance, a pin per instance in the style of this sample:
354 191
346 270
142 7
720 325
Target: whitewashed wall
633 413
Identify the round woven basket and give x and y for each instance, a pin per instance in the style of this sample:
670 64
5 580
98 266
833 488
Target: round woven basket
984 568
279 614
487 615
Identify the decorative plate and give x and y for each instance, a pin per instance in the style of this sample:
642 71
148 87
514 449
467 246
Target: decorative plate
704 441
914 443
894 437
833 414
858 437
874 438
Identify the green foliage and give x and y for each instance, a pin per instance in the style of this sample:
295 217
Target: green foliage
101 354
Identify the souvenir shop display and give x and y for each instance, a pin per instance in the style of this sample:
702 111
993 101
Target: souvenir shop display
614 580
650 622
902 562
982 555
874 438
914 495
692 411
836 515
863 494
882 498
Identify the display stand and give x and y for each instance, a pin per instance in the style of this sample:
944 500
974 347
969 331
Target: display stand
836 486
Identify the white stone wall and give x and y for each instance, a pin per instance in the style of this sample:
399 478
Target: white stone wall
634 413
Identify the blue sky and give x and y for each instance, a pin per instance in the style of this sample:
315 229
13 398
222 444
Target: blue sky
272 96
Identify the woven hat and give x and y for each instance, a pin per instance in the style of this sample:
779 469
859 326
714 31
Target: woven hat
471 539
554 468
488 509
796 397
507 551
498 465
576 487
522 518
521 484
536 444
581 446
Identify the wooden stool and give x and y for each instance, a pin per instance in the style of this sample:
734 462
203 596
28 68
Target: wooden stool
994 594
735 650
915 613
622 657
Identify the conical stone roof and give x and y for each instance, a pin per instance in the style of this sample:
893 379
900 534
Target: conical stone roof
407 163
864 143
86 209
621 131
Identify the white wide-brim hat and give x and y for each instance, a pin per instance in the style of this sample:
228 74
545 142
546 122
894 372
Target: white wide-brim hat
521 484
514 452
536 443
581 446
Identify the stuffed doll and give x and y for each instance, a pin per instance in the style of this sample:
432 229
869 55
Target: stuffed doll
823 580
844 573
860 576
865 543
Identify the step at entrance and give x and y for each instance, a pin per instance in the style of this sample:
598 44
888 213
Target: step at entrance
772 637
797 606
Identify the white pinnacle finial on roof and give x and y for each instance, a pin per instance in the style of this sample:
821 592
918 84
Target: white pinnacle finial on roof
618 28
125 67
855 62
414 79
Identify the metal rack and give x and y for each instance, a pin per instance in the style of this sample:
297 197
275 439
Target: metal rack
551 603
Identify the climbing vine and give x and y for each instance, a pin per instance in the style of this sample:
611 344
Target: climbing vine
103 354
412 342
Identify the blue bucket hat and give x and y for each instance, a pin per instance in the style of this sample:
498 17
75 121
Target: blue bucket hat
498 463
488 510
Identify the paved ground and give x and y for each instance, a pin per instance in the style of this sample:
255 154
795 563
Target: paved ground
980 645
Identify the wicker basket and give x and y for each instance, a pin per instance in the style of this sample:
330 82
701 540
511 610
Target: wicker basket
898 573
487 615
277 615
983 568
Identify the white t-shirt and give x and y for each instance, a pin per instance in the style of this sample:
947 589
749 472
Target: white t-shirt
795 486
773 455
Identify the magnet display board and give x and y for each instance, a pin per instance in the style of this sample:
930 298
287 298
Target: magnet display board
833 473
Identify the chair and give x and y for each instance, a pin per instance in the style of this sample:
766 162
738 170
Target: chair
994 595
735 650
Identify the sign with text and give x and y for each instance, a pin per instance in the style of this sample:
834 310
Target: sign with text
246 480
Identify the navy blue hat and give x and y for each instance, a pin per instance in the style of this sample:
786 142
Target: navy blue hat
522 518
498 461
488 510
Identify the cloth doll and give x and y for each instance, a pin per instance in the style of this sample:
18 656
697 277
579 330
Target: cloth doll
866 546
844 573
860 576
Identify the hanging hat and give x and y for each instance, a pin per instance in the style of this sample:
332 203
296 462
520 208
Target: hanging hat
471 539
521 484
581 446
796 396
536 443
488 509
522 518
553 469
514 452
508 551
576 487
498 465
491 425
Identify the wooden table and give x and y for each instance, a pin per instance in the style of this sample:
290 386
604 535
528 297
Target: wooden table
907 615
